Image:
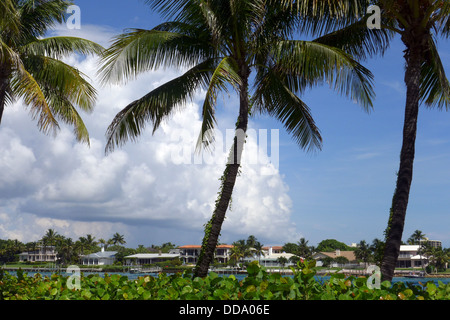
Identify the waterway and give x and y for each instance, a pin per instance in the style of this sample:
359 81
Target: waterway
132 276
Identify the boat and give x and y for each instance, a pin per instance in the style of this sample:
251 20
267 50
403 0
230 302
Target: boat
415 275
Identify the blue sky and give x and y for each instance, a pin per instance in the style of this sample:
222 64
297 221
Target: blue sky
343 192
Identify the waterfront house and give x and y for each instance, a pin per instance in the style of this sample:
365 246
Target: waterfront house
347 255
41 254
190 253
99 258
409 257
140 259
271 257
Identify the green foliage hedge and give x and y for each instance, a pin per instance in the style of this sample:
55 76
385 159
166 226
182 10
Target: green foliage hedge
258 285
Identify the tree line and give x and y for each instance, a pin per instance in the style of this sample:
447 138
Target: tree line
69 251
368 253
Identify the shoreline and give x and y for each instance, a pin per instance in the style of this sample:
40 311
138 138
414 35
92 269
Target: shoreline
362 273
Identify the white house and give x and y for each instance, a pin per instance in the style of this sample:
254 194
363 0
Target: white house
190 253
99 258
41 254
349 255
409 257
271 256
149 258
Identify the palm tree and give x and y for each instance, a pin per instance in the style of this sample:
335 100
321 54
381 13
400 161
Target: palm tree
363 252
31 67
419 23
304 250
118 239
416 237
236 253
82 245
377 249
49 239
103 243
425 250
66 251
90 242
440 258
282 261
258 250
221 42
251 241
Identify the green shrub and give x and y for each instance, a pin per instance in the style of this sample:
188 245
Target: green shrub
259 285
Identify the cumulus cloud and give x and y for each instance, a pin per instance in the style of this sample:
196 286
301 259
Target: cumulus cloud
152 191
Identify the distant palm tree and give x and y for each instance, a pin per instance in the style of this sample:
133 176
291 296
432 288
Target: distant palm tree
440 258
31 67
90 242
258 250
416 237
282 261
419 23
251 241
363 252
221 43
236 253
304 250
118 239
49 239
82 245
103 243
66 251
377 249
425 250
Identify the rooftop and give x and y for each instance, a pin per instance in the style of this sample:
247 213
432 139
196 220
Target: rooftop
101 254
152 255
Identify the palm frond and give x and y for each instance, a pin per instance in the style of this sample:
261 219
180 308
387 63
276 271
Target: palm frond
273 96
157 105
60 77
8 19
141 50
24 85
434 84
442 18
65 110
358 40
308 63
316 17
168 8
59 47
225 74
38 16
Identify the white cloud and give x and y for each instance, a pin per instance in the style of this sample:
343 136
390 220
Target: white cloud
141 189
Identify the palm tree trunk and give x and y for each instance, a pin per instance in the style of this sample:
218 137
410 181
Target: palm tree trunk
401 196
214 226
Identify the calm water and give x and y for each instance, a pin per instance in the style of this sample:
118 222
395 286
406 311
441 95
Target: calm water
131 276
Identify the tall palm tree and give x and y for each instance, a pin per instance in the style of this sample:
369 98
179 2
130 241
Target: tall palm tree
221 42
419 23
31 67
